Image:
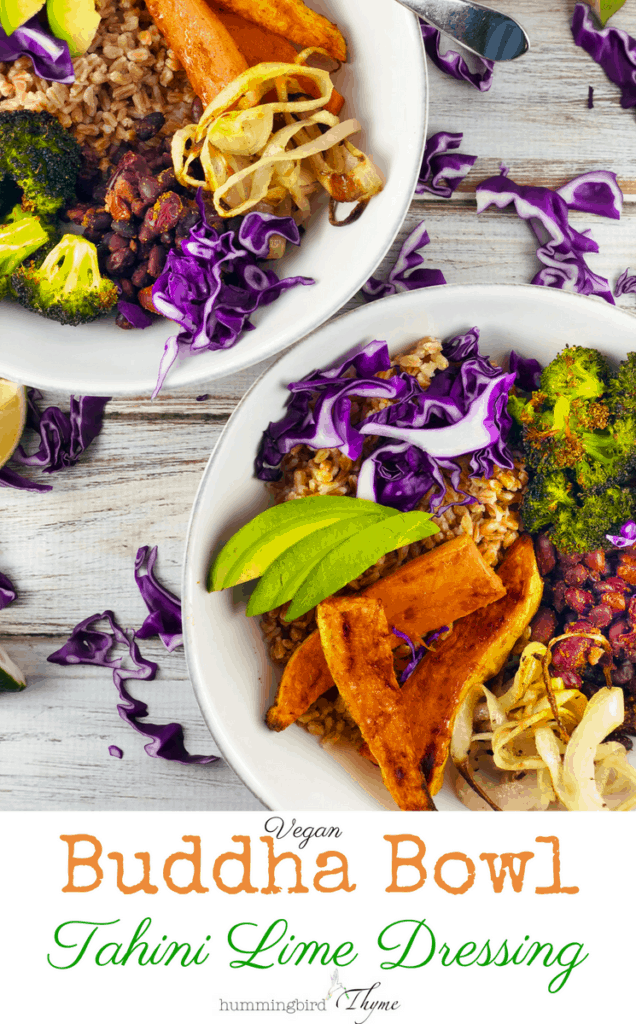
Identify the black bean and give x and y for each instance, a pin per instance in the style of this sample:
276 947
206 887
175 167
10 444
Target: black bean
543 625
167 180
117 242
149 125
546 554
125 289
125 228
99 192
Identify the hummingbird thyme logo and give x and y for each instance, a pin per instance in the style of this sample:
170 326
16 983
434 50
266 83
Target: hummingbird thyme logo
336 986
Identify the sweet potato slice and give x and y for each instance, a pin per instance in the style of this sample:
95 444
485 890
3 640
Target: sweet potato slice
355 637
258 45
293 20
210 57
433 590
476 650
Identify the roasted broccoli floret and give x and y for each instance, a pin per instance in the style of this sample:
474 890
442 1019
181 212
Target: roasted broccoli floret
68 286
584 528
548 493
622 388
579 437
576 372
22 235
9 194
39 157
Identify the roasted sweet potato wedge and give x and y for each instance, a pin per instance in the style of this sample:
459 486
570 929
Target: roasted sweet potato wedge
293 20
437 588
210 57
356 640
474 652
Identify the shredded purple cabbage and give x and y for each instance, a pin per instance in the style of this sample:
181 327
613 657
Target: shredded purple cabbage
202 398
442 171
463 346
590 97
164 619
430 638
50 57
404 276
453 63
625 284
257 229
115 751
527 372
319 412
626 538
416 654
562 249
63 438
90 646
135 315
612 48
7 591
211 288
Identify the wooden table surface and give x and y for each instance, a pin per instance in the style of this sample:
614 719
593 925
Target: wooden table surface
71 552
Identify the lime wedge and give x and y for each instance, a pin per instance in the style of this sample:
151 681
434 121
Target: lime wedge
11 677
13 408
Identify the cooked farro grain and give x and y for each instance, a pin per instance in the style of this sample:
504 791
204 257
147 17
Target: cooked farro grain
127 73
492 521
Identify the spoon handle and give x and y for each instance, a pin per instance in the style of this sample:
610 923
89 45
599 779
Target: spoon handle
479 29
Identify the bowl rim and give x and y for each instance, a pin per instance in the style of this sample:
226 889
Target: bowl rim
238 362
556 297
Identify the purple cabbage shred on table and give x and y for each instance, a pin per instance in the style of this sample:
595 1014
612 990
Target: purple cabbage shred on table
625 285
611 48
407 273
442 169
115 751
88 645
562 249
7 591
50 57
211 288
63 438
164 618
454 64
626 537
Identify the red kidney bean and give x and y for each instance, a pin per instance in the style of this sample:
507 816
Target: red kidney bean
120 261
600 616
156 260
545 552
196 110
117 242
567 561
145 299
576 576
125 289
571 680
149 126
149 188
543 625
169 208
559 595
141 277
595 560
121 321
578 600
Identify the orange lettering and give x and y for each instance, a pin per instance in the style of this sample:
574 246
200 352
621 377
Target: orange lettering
470 873
89 862
321 862
195 860
507 864
243 858
556 886
145 885
414 861
273 862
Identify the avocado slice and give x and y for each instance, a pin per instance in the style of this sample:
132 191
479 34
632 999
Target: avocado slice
604 9
14 13
74 21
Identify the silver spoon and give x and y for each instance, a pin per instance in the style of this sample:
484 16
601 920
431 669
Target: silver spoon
479 29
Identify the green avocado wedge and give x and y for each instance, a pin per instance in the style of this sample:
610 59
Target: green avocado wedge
347 560
14 13
11 677
257 544
289 571
604 9
74 21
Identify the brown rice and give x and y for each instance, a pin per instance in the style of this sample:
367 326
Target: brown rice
492 521
127 73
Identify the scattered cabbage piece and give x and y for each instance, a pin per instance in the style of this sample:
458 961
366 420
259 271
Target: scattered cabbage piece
527 372
164 619
7 591
50 57
88 645
115 751
211 288
612 48
63 438
407 273
625 284
442 171
135 315
562 249
626 537
326 422
453 64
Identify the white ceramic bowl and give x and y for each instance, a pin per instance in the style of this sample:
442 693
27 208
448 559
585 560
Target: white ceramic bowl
384 84
233 679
